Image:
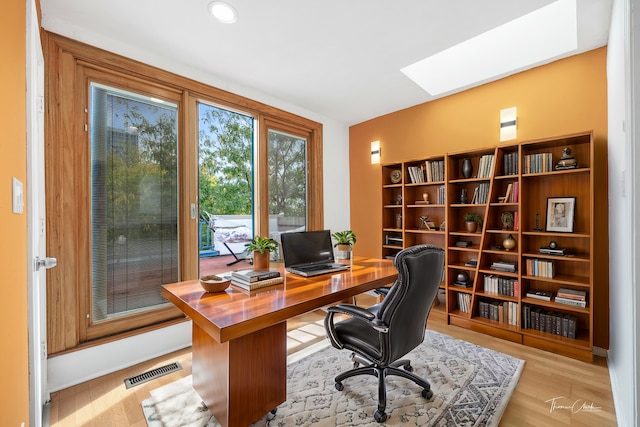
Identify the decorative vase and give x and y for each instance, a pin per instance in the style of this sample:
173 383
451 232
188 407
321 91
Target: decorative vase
343 252
472 226
463 196
509 242
261 260
467 168
398 221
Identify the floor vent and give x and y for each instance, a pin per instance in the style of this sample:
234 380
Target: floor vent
154 373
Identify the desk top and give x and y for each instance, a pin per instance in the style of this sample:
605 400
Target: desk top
234 313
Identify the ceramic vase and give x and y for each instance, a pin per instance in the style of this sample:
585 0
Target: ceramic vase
261 260
509 243
467 168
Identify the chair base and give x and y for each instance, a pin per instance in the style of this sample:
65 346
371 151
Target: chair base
381 372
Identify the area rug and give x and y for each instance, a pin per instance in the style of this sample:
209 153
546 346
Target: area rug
471 386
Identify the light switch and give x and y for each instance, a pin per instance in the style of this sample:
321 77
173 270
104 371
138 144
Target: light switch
18 203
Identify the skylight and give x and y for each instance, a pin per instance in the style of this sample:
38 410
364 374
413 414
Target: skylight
533 38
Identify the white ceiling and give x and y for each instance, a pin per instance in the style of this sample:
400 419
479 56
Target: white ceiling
337 58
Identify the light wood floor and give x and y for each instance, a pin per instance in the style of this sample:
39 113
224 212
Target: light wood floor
553 390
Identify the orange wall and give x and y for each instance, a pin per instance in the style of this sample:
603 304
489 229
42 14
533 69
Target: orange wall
563 97
14 370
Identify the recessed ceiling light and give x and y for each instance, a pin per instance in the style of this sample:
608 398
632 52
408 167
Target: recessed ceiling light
533 38
223 12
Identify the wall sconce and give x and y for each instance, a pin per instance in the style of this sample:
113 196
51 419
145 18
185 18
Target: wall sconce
508 121
375 152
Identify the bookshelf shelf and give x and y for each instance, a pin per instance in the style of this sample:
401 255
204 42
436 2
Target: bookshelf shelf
498 186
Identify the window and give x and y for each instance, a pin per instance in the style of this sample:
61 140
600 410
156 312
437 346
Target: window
287 182
134 201
121 174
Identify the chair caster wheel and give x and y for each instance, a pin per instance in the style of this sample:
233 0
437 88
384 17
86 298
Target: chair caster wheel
427 394
339 386
380 416
272 414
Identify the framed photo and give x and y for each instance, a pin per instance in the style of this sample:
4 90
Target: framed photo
560 214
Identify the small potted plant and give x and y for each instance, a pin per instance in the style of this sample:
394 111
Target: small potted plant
344 241
472 221
261 248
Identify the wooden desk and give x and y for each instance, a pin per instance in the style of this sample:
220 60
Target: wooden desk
239 354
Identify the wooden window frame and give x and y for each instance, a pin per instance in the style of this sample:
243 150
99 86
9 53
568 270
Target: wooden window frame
70 65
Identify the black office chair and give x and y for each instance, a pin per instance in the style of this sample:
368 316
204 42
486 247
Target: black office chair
381 335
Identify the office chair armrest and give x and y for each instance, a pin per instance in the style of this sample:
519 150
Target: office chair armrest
352 310
359 313
382 291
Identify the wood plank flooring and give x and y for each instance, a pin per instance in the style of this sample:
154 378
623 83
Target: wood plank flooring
553 390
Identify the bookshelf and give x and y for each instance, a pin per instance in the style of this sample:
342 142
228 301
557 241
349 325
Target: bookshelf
490 271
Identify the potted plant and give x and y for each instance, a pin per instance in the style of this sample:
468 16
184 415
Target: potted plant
472 221
261 248
344 241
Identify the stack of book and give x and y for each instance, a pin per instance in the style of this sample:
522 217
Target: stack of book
506 266
571 297
539 294
255 279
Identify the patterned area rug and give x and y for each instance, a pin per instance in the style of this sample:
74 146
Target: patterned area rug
471 385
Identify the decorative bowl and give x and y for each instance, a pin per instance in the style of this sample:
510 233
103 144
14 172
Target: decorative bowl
214 283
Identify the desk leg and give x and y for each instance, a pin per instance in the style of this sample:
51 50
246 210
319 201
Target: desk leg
243 379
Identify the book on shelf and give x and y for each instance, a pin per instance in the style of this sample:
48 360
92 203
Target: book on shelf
464 302
506 266
538 294
257 285
540 268
551 322
471 263
510 163
569 301
538 163
250 276
485 166
572 294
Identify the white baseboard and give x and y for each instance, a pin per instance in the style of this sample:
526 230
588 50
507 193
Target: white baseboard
80 366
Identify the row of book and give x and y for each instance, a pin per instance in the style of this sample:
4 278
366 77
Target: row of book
501 311
538 163
510 163
485 166
540 267
500 285
552 322
250 280
480 194
431 171
511 195
464 302
441 198
434 170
